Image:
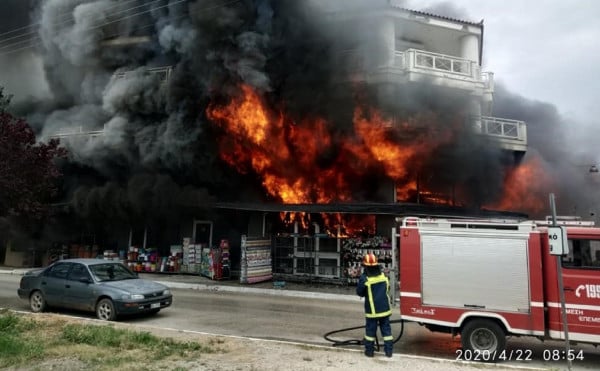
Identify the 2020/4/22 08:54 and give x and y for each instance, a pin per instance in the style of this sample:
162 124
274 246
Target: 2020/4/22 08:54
548 355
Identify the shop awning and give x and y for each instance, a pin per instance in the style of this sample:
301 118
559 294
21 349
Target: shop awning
393 209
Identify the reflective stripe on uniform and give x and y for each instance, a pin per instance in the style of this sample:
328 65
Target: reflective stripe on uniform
381 278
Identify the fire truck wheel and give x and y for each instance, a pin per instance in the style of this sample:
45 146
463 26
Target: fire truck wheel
484 337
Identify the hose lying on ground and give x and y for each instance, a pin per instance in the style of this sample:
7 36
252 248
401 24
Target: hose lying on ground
360 342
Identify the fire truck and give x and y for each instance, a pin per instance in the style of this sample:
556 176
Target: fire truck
490 279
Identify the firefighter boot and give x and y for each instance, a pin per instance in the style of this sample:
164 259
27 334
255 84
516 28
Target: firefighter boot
388 347
369 348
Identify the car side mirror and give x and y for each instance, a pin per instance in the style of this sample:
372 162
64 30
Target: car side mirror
85 280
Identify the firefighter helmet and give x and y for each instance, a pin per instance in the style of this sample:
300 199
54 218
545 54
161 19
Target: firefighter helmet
370 260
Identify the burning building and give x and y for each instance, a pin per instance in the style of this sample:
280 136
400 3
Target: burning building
212 119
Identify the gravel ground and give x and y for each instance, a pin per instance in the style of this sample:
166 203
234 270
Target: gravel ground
244 354
261 355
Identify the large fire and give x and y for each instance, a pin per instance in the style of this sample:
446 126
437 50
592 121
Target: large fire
525 188
305 162
330 224
283 153
300 162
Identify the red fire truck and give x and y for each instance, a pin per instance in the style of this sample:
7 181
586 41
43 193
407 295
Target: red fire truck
489 279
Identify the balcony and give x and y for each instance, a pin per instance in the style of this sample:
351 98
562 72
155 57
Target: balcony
163 73
510 134
413 65
77 132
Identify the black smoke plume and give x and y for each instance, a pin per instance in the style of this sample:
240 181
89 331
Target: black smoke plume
158 155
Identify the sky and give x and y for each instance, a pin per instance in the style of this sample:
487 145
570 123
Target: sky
547 51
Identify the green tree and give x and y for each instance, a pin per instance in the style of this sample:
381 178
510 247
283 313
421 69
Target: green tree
28 171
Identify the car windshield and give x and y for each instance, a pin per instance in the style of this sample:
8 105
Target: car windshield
111 272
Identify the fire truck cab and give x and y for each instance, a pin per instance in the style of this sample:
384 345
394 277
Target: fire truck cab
489 279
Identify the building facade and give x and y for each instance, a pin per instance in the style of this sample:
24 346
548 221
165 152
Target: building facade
412 61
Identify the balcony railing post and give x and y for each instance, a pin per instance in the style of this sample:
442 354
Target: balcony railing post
475 71
410 59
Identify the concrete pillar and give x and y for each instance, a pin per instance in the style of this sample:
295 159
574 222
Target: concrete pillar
475 113
384 42
469 48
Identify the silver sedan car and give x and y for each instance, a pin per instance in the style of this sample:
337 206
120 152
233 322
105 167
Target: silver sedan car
106 287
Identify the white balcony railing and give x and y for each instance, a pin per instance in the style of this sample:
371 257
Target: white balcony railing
439 62
422 62
414 60
488 80
504 129
163 73
76 132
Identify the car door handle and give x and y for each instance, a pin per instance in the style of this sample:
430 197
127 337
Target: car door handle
43 282
68 286
568 289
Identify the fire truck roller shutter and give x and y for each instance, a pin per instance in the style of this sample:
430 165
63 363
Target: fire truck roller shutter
475 269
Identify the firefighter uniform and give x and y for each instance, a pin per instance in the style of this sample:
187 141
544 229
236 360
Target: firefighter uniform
375 288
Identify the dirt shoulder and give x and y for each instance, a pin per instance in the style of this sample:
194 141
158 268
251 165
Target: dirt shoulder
236 353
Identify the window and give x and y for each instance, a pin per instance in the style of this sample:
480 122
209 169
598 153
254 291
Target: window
59 270
78 272
111 272
582 254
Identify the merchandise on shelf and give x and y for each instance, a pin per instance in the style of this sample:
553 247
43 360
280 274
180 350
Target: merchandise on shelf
191 257
255 260
355 248
142 260
110 255
209 263
214 262
225 263
173 262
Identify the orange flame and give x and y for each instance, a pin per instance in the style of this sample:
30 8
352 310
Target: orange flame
303 162
285 154
376 144
281 152
525 188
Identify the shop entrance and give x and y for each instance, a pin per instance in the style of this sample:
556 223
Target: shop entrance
202 232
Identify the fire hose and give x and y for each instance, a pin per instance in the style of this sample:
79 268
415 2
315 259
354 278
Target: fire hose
357 341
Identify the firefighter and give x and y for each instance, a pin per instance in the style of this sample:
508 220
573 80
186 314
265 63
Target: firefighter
374 286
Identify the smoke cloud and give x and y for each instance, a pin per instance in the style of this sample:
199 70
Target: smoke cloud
159 155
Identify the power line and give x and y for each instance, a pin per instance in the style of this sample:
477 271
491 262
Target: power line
67 18
65 21
36 40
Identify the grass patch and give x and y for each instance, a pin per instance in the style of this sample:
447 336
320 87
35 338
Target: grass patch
13 348
25 342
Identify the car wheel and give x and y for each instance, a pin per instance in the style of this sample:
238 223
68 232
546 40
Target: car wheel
37 302
105 310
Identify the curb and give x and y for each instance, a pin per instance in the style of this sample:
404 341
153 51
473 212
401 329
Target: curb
226 288
19 272
259 291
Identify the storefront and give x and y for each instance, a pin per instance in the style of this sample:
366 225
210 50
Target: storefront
259 242
326 243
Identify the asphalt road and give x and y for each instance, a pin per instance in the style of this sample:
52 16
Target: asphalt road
305 320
